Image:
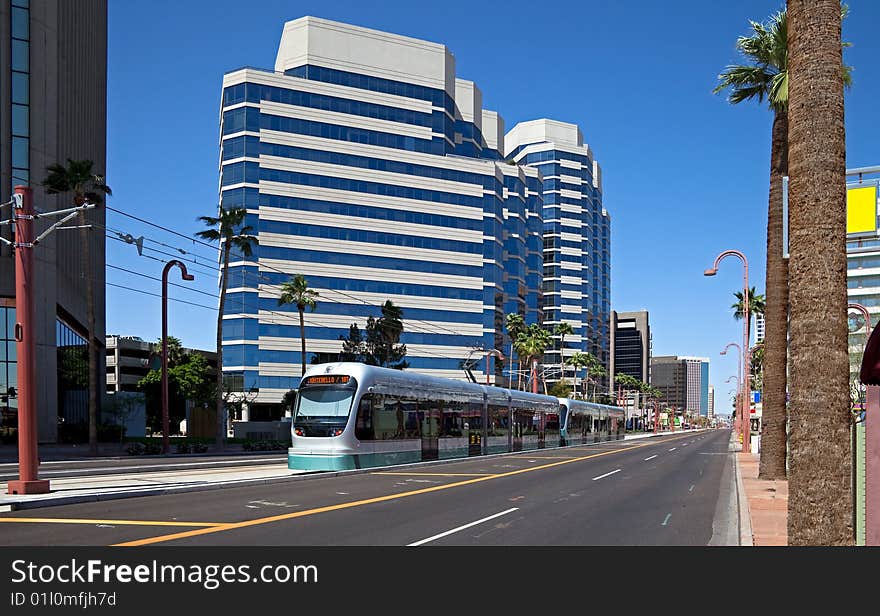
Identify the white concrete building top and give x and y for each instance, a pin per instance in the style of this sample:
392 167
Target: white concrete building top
335 45
543 130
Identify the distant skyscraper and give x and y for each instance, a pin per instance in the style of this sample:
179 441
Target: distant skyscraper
711 402
631 345
759 328
684 382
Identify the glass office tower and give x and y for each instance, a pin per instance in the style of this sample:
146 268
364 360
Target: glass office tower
366 165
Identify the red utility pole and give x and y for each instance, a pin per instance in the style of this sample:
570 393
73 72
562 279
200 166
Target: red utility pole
534 376
186 276
28 458
23 217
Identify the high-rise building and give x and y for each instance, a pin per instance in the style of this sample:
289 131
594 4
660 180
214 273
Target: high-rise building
862 257
759 328
631 345
684 382
53 93
711 402
366 165
576 235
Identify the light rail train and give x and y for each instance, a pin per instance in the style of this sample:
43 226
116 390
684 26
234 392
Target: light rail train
350 415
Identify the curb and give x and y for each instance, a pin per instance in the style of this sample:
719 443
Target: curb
745 517
305 476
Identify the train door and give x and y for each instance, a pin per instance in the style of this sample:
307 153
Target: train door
430 413
540 419
516 428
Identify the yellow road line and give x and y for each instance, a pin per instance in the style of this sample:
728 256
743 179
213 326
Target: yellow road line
110 522
436 474
360 503
549 457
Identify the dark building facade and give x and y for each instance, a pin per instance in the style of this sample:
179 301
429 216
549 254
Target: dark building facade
53 106
631 345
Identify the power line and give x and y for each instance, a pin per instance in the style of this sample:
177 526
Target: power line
194 290
173 299
435 329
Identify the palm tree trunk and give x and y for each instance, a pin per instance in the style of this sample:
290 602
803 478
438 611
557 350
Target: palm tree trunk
302 337
773 421
220 437
820 508
91 347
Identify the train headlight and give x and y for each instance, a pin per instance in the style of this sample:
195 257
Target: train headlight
299 432
337 432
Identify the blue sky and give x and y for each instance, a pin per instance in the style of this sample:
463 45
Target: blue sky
685 174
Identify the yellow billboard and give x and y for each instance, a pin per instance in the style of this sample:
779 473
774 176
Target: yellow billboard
861 209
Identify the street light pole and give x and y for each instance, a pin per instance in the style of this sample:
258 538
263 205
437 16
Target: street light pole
186 276
744 384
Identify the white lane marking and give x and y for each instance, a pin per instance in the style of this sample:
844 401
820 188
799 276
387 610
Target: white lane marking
673 449
692 488
651 458
668 515
460 528
606 474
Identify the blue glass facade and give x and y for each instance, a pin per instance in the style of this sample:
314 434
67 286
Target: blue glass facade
376 188
576 233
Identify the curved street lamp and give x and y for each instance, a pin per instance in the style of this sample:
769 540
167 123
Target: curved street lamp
744 382
185 276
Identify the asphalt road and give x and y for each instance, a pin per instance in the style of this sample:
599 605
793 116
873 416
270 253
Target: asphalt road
111 466
655 491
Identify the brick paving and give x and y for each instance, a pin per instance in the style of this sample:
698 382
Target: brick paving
768 503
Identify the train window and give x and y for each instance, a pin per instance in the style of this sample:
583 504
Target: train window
452 425
383 418
473 416
363 428
498 424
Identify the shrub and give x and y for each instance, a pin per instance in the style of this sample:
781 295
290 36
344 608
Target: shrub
135 449
264 445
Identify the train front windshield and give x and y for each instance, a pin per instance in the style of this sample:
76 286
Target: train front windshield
323 406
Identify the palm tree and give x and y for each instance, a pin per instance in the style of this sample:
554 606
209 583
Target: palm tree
757 304
581 360
87 188
820 508
229 230
765 75
296 291
515 325
531 343
596 371
562 330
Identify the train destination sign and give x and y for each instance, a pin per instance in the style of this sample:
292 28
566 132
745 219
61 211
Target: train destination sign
327 379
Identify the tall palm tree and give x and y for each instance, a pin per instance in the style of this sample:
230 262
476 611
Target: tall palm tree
757 304
87 188
580 360
562 330
820 508
296 291
531 343
765 76
515 325
229 230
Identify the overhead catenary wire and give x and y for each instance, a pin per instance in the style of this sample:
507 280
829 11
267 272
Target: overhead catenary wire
433 328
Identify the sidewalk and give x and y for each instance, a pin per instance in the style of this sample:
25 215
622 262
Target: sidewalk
766 504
